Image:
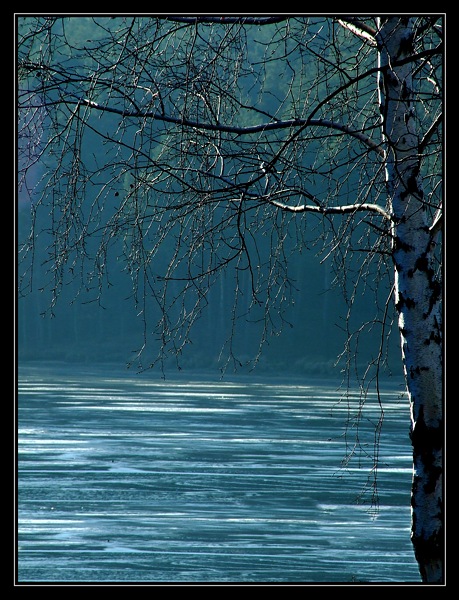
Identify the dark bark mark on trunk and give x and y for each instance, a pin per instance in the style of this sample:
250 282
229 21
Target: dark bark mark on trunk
427 443
426 440
428 551
402 302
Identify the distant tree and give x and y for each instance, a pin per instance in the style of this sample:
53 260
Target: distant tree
231 143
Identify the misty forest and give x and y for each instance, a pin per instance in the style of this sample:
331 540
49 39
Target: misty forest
240 195
322 323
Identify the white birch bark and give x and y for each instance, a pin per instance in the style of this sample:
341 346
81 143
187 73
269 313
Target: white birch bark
417 293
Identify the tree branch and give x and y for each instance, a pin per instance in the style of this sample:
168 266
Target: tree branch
330 210
428 135
222 20
289 123
359 28
437 222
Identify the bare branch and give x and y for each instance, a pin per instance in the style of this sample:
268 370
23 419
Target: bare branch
248 130
333 210
437 222
359 28
223 20
428 135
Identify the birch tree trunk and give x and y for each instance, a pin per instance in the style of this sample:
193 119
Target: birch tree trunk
417 293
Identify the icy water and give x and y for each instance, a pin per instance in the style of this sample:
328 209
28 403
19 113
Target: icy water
132 478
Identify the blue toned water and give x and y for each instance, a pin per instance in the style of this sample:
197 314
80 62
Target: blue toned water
132 478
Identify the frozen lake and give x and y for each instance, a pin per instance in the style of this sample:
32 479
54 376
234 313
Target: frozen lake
132 478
